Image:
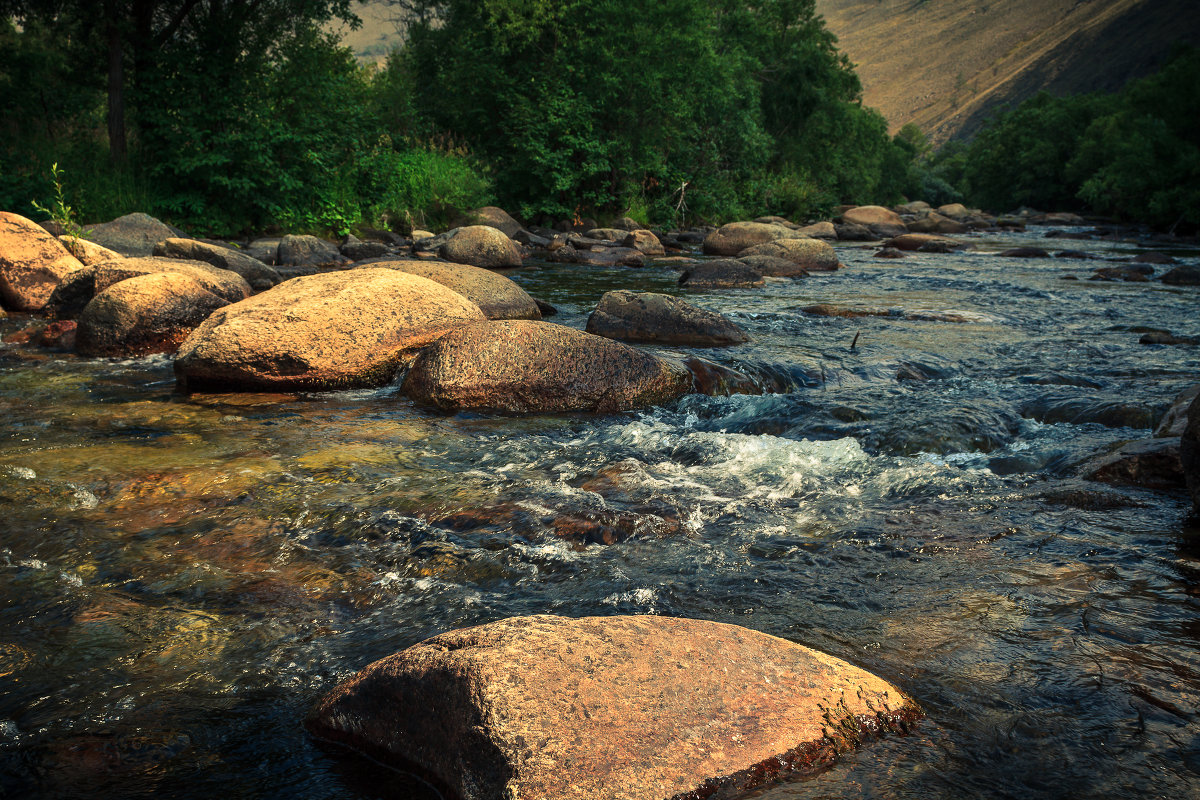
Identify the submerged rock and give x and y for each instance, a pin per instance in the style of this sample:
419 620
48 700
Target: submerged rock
338 330
32 263
497 296
523 366
481 246
1024 252
150 313
649 317
626 708
1148 463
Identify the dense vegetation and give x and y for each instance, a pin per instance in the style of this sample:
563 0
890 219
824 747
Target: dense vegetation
232 115
1134 155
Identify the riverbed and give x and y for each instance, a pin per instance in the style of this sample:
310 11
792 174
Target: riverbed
184 576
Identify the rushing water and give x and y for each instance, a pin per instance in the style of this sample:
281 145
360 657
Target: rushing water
184 576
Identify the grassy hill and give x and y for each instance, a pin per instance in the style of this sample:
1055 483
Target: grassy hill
946 65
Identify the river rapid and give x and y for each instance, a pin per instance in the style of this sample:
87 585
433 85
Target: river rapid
184 576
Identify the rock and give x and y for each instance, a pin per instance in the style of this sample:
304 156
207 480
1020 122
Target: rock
773 219
355 249
1011 223
734 237
131 235
890 252
605 235
481 246
1154 258
337 330
880 221
1119 274
32 263
773 266
1059 218
1024 252
1189 454
853 232
521 367
629 224
1183 275
924 242
605 257
820 230
649 317
717 380
221 282
954 211
622 708
492 217
145 314
1147 463
308 251
265 250
933 222
255 272
1164 337
70 297
58 335
546 309
497 296
724 273
644 242
88 253
812 255
1175 421
1074 254
915 207
419 235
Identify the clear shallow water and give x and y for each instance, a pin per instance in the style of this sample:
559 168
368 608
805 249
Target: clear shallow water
183 577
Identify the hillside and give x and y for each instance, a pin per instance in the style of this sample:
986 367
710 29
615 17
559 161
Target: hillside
946 66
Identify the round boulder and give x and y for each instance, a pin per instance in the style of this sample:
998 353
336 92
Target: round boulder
878 220
131 235
32 263
624 707
257 274
88 253
522 366
337 330
496 296
221 282
734 237
724 273
308 251
146 314
774 266
649 317
493 217
810 255
644 242
481 246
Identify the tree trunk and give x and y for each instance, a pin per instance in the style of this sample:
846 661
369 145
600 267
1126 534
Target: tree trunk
117 146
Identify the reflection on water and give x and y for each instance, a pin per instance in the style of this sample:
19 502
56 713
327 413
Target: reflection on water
184 576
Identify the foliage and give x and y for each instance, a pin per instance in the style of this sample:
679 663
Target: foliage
59 211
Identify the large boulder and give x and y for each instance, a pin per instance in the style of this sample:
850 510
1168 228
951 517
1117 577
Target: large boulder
819 230
734 237
221 282
954 211
880 221
497 296
1175 421
88 253
146 314
811 255
481 246
308 251
492 217
724 273
131 235
32 263
337 330
521 366
774 266
932 222
257 274
649 317
644 242
622 708
1146 463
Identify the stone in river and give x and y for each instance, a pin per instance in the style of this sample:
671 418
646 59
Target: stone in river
32 263
650 317
724 273
622 708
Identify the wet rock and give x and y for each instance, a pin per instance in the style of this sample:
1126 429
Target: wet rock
1024 252
57 335
1154 258
924 242
881 222
649 317
734 237
221 282
716 380
546 309
1183 275
308 251
1074 254
131 235
339 330
644 242
890 252
811 255
520 366
497 296
1166 337
492 217
255 272
88 253
32 263
481 246
831 310
1082 410
628 708
852 232
819 230
773 266
605 257
356 249
1175 421
1126 274
933 222
146 314
70 297
724 273
1189 454
1146 463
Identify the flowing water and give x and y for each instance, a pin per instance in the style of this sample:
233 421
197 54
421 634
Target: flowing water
184 576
